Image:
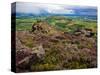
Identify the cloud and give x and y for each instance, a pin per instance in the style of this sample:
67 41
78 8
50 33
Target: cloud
58 9
35 8
27 8
38 8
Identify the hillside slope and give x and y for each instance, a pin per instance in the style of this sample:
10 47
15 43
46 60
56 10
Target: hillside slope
47 48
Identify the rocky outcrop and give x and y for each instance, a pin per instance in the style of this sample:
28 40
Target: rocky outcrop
25 56
85 32
40 26
39 51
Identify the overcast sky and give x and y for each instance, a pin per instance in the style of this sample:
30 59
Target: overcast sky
34 8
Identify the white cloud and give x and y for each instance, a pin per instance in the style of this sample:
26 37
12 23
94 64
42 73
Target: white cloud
58 9
27 8
37 8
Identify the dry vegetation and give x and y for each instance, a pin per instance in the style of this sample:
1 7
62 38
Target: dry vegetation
46 47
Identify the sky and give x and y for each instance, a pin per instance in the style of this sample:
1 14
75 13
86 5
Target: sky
37 9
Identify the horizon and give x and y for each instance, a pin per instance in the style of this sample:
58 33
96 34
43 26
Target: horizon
53 9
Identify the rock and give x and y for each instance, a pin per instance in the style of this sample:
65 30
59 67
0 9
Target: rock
39 51
25 58
77 33
18 44
25 54
89 34
20 55
33 28
40 26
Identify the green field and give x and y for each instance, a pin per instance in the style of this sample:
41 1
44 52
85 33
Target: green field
63 23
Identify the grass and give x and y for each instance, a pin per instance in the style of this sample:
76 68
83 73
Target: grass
24 24
61 24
